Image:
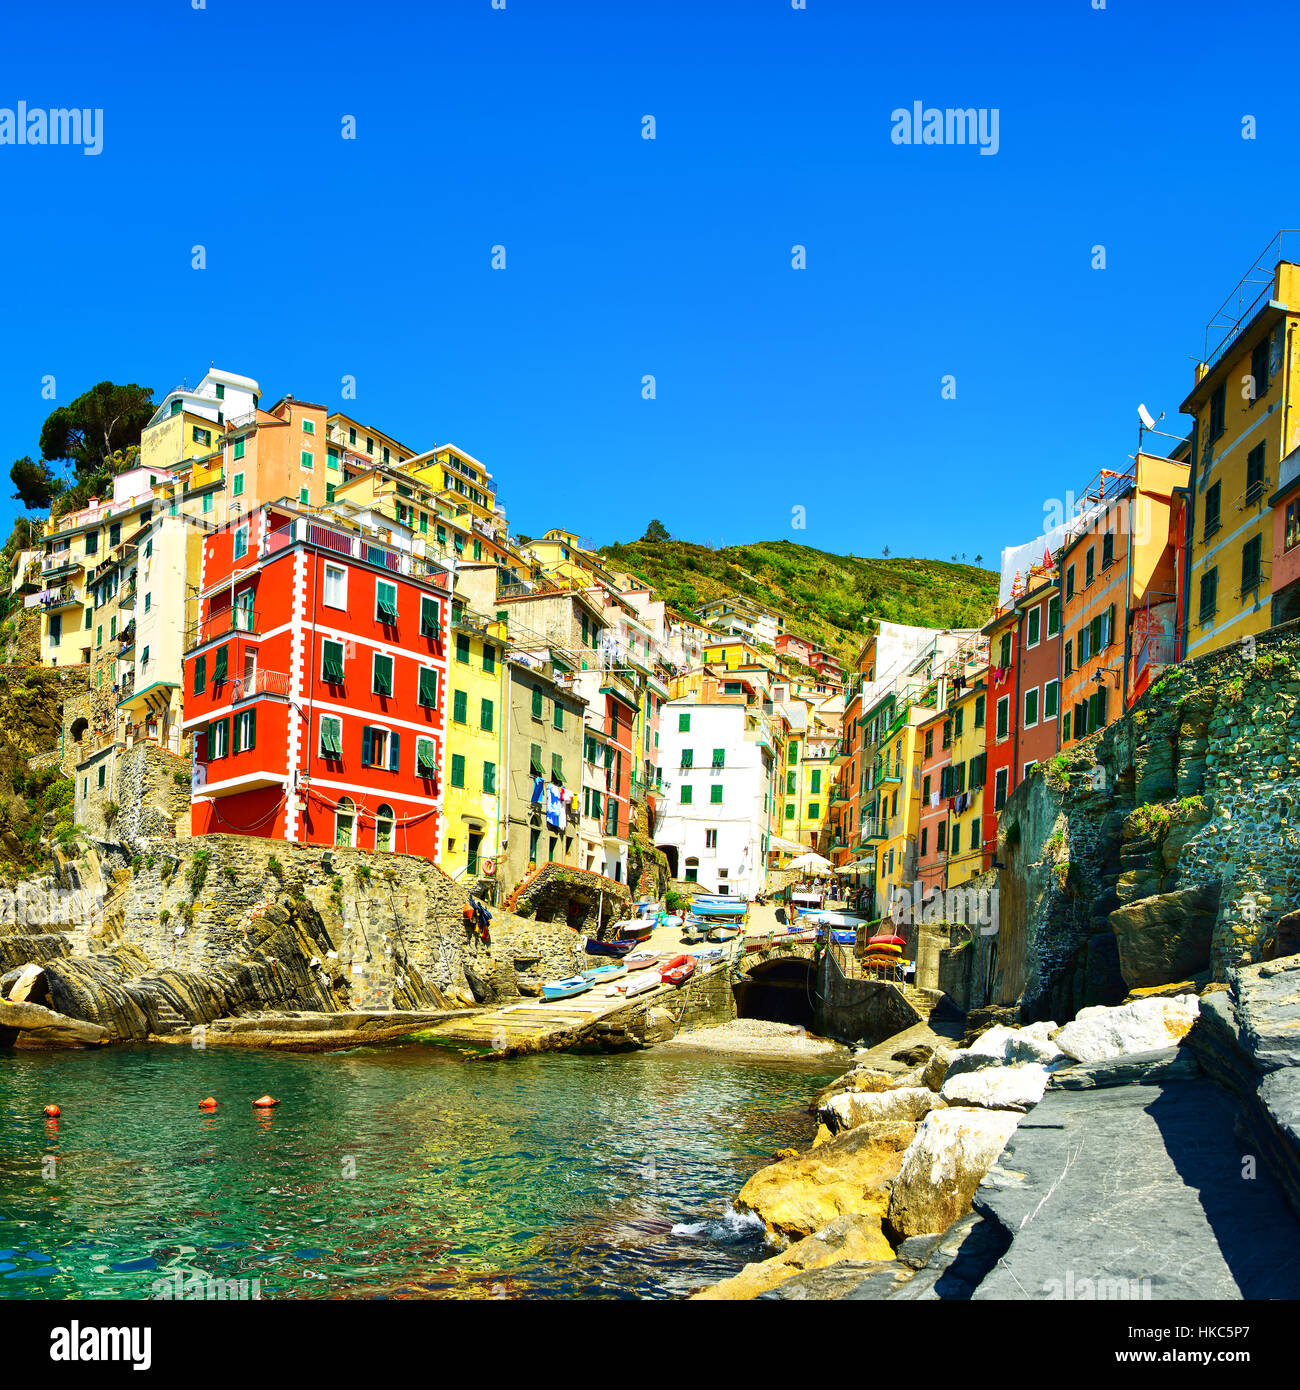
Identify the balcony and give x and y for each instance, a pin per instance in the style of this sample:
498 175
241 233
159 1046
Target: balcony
1155 653
218 624
259 683
364 549
62 562
65 596
126 637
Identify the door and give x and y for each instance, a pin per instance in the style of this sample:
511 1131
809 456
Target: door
471 857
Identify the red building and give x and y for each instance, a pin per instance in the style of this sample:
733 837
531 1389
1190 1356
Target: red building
315 679
1001 724
1038 681
934 738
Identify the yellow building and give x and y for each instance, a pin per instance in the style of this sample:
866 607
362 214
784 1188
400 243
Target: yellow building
344 435
476 756
458 477
967 713
1243 405
807 776
735 652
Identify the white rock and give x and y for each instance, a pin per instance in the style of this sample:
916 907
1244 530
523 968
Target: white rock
1018 1087
1145 1025
1003 1047
853 1108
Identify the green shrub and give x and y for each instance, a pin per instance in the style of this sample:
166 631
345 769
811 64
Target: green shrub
275 869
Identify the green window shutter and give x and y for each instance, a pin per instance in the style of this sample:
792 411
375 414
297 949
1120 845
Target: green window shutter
460 706
462 648
688 757
457 770
366 742
535 760
424 757
557 717
687 789
383 675
394 751
387 602
489 657
557 767
715 794
719 757
683 723
219 665
490 778
330 732
428 616
537 702
333 664
789 783
428 687
485 715
816 781
200 674
329 491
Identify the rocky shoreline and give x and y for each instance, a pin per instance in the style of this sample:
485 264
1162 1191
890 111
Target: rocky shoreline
1100 1159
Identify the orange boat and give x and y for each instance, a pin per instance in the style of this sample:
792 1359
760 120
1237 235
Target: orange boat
678 970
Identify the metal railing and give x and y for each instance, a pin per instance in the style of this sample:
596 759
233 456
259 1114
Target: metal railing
218 624
260 683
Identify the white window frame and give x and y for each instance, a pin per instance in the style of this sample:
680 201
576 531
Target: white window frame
309 427
240 532
374 660
1025 721
424 738
1037 608
385 734
1029 765
335 570
1002 700
381 584
437 689
320 737
222 726
246 716
307 460
1005 774
1056 713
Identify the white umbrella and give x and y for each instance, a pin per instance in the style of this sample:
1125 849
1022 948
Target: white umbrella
810 864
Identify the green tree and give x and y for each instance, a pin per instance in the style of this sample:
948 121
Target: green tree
656 531
36 487
100 423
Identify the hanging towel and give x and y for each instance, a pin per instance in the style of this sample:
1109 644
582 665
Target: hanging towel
537 791
554 807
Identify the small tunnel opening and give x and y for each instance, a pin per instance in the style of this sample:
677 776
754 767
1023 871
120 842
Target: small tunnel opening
778 991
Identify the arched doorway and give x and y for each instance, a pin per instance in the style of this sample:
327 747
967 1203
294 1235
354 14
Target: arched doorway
780 991
670 853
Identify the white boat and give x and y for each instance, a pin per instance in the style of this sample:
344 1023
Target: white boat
639 983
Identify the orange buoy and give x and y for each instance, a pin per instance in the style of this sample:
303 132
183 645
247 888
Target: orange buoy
207 1103
53 1111
265 1102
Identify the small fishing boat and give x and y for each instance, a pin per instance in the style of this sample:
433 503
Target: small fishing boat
724 933
678 970
607 948
670 919
634 930
565 989
709 953
635 984
603 974
844 938
693 931
640 960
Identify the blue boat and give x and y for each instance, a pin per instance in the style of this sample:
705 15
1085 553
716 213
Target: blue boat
607 948
565 989
603 974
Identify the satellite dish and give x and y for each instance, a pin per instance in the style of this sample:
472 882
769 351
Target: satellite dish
1145 416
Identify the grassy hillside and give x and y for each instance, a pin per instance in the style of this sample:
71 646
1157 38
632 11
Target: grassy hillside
828 598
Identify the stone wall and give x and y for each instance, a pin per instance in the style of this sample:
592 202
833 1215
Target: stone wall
153 793
586 901
1166 846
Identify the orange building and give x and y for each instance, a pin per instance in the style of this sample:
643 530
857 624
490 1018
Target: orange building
272 454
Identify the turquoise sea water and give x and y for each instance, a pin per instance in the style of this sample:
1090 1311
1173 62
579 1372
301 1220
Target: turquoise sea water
399 1172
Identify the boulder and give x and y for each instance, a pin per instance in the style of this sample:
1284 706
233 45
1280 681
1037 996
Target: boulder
854 1237
910 1103
1167 936
1146 1025
850 1279
943 1165
843 1176
32 1025
937 1068
1146 1068
1285 937
1018 1087
1001 1046
857 1079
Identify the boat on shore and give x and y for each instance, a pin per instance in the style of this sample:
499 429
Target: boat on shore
607 948
678 970
634 931
635 984
603 974
565 989
641 960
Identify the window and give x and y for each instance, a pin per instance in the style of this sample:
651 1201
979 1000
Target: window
1050 694
352 435
816 786
557 768
1250 564
428 696
557 714
429 619
1259 369
218 739
789 811
331 737
309 427
490 778
1255 480
1213 501
1209 594
1085 638
384 826
925 840
979 711
380 748
941 837
424 757
925 790
485 715
459 706
710 839
1031 708
1053 615
1069 583
947 733
489 658
239 454
1000 788
1069 656
332 662
956 838
101 776
684 724
688 757
814 810
1218 412
201 436
382 683
305 459
957 722
794 752
537 700
245 730
220 664
1033 624
1089 565
535 760
345 824
457 770
144 657
790 778
200 674
99 635
386 603
1004 651
715 794
687 793
241 541
720 758
1108 550
929 743
1291 535
1065 727
370 444
237 489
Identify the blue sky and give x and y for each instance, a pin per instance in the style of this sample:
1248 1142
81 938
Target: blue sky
776 388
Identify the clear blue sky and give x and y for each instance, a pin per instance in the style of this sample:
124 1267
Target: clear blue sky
776 387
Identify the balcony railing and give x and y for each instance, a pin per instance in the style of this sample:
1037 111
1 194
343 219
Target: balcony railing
1157 651
366 549
218 624
260 683
61 560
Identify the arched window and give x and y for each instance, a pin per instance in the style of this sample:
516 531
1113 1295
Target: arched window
692 869
345 824
384 819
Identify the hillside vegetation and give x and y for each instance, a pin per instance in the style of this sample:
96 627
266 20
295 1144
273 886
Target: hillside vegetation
830 599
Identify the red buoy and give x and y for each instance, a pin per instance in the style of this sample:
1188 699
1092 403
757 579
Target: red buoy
207 1103
52 1111
265 1102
